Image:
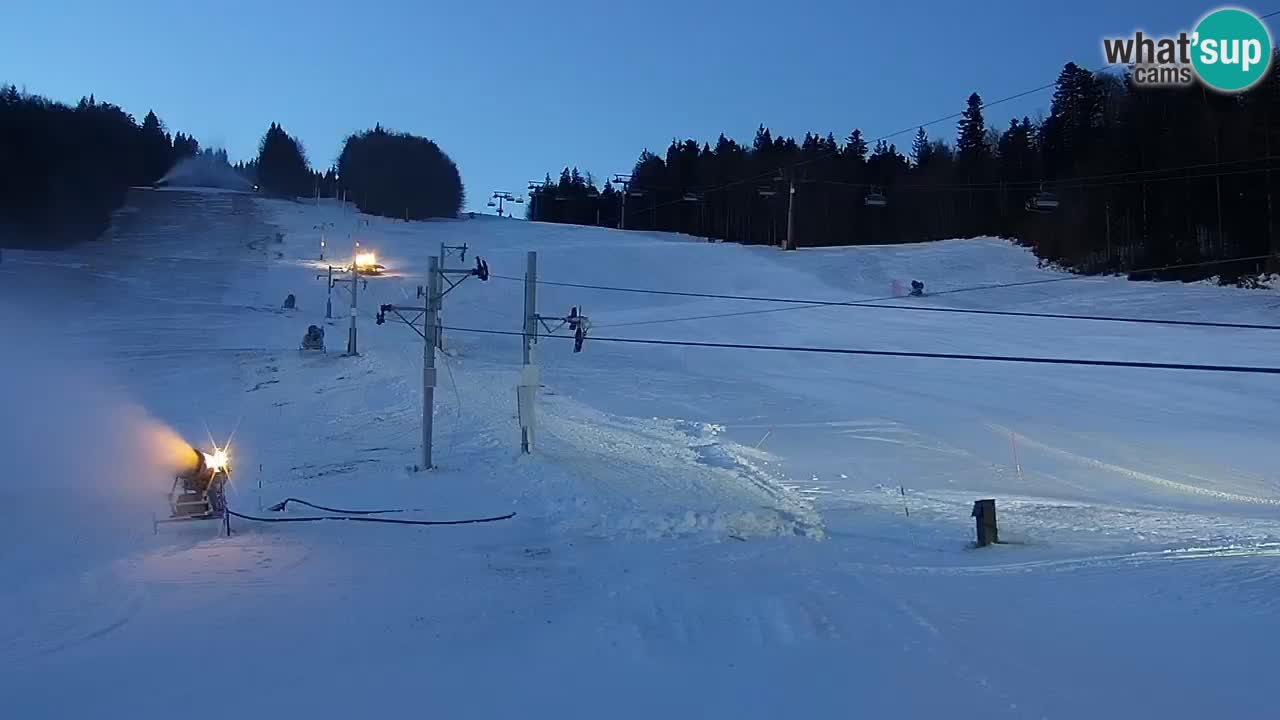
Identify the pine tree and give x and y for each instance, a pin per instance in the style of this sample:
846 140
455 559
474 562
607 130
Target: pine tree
397 174
608 201
971 137
763 143
855 148
157 149
282 164
920 148
184 146
1070 133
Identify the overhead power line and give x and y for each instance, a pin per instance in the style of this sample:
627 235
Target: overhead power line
822 156
953 116
876 303
1127 177
907 354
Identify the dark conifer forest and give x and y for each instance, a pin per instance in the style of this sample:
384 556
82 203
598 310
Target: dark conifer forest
1143 178
65 169
400 175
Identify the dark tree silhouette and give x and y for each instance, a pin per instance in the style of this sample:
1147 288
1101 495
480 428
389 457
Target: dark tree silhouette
399 175
64 170
1145 177
156 148
281 165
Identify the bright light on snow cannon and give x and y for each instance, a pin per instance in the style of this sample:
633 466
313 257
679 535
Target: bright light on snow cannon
367 263
217 462
205 464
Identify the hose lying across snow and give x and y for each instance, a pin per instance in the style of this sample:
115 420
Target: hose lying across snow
357 516
285 503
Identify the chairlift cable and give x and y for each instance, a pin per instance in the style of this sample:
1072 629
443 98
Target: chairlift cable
905 354
801 304
823 156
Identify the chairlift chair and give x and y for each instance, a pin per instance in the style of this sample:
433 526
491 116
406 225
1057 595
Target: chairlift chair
875 198
492 204
1042 202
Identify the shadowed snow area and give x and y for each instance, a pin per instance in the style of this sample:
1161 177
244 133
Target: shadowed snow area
700 532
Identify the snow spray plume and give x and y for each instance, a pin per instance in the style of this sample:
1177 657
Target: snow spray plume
64 425
205 170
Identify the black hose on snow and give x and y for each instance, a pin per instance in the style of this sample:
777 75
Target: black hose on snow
357 518
284 503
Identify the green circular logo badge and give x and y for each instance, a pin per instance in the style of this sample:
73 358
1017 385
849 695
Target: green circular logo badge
1232 50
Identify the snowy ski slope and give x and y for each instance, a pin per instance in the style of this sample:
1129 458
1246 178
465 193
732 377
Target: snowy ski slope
701 532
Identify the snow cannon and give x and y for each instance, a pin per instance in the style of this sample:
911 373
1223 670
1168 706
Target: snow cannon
198 491
366 263
314 339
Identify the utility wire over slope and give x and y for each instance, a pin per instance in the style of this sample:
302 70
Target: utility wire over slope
877 303
930 123
906 354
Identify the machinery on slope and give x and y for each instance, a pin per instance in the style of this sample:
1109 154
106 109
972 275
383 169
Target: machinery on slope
367 264
199 490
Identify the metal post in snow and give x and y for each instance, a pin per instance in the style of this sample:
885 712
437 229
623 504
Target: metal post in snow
907 511
791 224
530 304
328 299
528 392
439 332
355 284
429 327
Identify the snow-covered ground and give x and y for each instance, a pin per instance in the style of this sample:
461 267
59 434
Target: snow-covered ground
701 532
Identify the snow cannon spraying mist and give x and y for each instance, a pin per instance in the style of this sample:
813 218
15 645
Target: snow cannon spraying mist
199 487
209 170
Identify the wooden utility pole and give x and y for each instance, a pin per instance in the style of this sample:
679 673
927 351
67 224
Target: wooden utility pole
430 331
